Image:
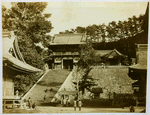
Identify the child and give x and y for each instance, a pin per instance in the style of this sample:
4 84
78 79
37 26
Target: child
24 103
80 105
34 106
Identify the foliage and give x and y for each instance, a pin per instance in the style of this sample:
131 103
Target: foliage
86 81
32 57
30 26
47 55
114 31
123 100
87 58
24 82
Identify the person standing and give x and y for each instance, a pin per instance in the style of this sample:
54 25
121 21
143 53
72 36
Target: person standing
75 104
30 102
65 102
80 105
44 97
62 100
132 109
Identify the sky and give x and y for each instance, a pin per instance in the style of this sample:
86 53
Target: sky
67 15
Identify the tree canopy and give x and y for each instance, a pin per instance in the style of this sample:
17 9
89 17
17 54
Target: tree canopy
114 31
30 26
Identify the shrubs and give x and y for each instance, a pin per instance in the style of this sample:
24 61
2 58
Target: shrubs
24 82
123 100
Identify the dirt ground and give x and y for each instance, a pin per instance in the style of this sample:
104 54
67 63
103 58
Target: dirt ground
49 109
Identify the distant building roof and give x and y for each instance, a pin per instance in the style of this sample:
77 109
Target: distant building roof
69 39
109 53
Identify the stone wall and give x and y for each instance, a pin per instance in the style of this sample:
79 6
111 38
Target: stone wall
109 79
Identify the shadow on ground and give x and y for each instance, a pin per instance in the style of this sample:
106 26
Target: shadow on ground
43 83
54 104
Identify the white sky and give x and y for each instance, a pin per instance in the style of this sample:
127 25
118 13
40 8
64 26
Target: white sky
67 15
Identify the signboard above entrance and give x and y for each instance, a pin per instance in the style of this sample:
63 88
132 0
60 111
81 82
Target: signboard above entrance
58 60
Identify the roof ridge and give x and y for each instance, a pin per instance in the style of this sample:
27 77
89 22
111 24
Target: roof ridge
69 34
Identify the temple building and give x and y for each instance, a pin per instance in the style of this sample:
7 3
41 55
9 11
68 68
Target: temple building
13 65
139 72
111 57
65 50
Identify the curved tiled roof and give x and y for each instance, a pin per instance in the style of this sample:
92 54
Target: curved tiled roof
15 62
18 65
69 39
109 53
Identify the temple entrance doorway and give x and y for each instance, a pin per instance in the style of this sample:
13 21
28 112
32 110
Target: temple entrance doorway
68 64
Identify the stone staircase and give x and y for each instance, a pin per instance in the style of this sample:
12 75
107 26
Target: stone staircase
47 87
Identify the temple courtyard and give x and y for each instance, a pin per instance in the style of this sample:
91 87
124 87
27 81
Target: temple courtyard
48 109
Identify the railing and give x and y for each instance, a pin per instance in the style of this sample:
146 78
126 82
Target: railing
65 53
11 103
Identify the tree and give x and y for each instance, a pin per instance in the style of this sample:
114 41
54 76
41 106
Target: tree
112 31
30 26
87 59
86 81
103 32
5 18
80 29
120 33
88 56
